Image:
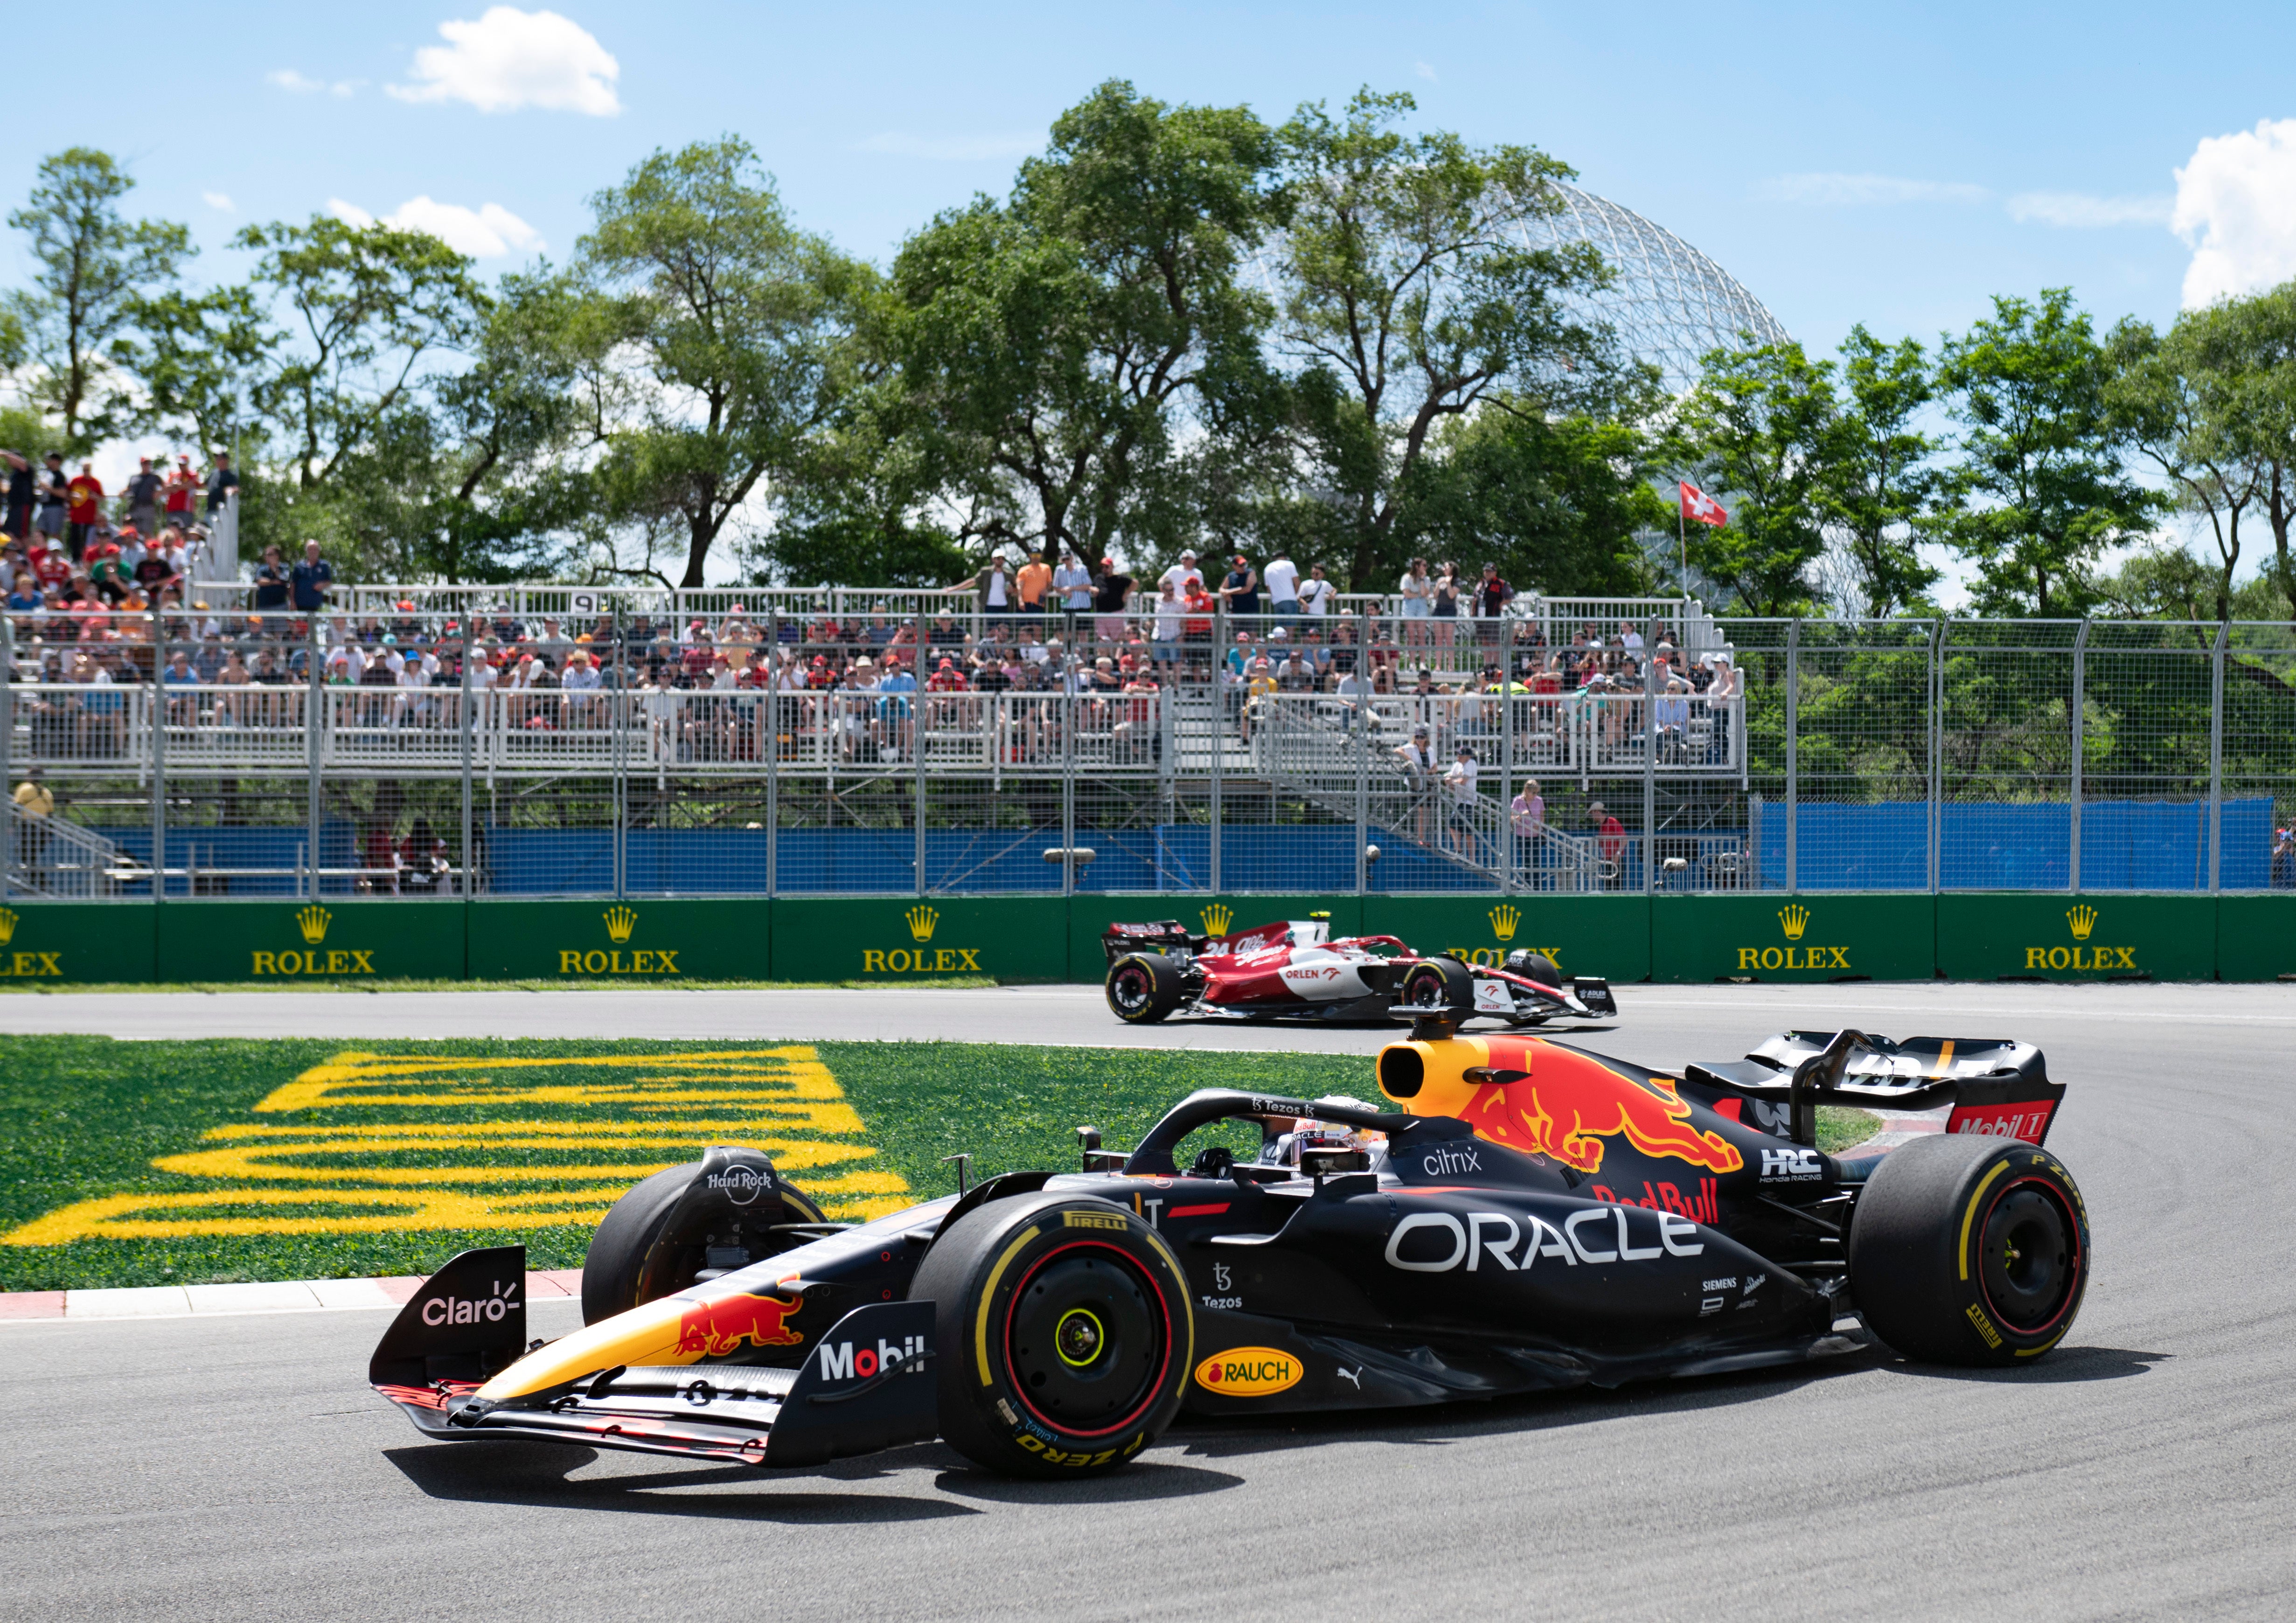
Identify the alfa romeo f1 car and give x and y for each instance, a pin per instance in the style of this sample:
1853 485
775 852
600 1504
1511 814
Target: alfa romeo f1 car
1517 1214
1295 969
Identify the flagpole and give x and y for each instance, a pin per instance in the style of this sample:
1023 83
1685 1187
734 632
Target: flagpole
1682 528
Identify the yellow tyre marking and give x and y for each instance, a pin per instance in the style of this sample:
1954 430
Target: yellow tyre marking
1969 1215
989 1292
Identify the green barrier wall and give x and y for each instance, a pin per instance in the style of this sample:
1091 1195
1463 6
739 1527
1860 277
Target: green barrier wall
1983 937
2256 937
1212 915
1829 937
1586 935
898 937
638 940
330 941
65 941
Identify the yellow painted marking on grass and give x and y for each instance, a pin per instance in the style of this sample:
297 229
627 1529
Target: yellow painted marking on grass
416 1171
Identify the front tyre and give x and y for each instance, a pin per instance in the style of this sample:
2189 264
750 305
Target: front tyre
1439 986
1063 1332
1970 1249
1143 987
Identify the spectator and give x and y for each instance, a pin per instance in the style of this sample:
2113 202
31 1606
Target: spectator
422 861
1073 582
220 483
1111 593
1418 760
1527 817
141 499
54 498
1630 639
1239 590
25 597
999 591
1282 581
1719 693
182 491
1417 591
270 583
310 580
1317 594
1460 798
16 518
1176 577
1196 627
1492 596
1036 579
86 504
1670 716
1609 844
1443 604
1164 646
2284 859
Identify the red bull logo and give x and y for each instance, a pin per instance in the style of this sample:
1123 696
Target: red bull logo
1566 1105
715 1329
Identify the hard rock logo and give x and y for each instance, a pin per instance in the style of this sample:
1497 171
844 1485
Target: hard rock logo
620 922
1216 919
1794 921
2082 921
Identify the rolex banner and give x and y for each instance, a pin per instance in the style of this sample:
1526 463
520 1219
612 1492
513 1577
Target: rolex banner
1586 935
907 940
1815 936
2103 935
287 943
634 942
55 943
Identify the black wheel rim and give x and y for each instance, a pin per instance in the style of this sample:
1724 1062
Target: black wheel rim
1424 991
1129 989
1086 1339
2028 1257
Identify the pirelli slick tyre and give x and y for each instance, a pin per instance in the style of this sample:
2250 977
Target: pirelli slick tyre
1539 967
1439 986
1062 1334
1970 1249
659 1237
1143 987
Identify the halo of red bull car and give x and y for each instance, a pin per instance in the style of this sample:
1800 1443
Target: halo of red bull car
1515 1214
1295 969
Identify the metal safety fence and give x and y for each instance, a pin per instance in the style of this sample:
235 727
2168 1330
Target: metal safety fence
453 746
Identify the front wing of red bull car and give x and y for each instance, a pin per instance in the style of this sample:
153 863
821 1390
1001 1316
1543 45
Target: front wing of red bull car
1514 1215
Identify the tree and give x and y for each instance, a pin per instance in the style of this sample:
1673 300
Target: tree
196 357
1876 486
370 312
2040 490
90 267
721 341
1410 292
1763 427
1054 348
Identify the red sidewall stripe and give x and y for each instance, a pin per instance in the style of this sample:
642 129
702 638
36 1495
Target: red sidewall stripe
2072 1235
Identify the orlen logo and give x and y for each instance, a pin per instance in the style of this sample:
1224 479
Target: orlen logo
472 1310
846 1362
1249 1372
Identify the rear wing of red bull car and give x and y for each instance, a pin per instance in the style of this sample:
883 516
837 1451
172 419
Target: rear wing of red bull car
861 1388
1990 1085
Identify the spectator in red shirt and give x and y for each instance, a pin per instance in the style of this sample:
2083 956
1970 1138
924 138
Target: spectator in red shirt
86 504
1610 841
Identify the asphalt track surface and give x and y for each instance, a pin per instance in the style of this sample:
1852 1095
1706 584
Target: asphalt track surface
238 1468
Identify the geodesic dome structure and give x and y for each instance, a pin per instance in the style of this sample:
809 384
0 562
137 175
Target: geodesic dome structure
1670 303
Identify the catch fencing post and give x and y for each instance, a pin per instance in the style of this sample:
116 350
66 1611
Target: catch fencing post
1650 759
470 647
2216 758
2080 704
1068 774
9 835
1362 780
773 750
314 727
917 738
1218 693
1793 761
159 725
1937 755
1507 758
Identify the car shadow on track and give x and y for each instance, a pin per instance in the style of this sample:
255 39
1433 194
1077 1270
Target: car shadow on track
541 1474
2066 1363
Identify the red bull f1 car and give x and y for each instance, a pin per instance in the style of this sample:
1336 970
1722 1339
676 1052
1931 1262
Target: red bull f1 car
1514 1215
1295 969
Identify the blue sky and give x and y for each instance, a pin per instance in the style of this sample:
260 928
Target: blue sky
1846 163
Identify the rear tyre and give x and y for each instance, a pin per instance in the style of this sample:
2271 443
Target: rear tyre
1143 987
1969 1249
1439 986
654 1241
1063 1333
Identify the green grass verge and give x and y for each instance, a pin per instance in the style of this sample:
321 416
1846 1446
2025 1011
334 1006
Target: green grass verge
83 1117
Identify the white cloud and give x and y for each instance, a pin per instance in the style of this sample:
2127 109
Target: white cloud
2236 210
221 200
951 149
510 59
2080 210
287 78
491 232
1425 71
1837 189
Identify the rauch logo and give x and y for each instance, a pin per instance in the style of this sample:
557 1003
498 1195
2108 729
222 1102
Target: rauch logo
1505 920
24 965
312 922
621 922
1794 922
922 921
2079 956
1249 1372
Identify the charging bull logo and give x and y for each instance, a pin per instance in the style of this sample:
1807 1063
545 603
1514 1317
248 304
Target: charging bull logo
713 1330
1566 1105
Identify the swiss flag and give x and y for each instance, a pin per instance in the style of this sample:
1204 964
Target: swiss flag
1701 508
